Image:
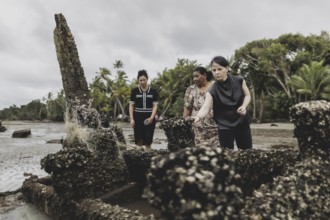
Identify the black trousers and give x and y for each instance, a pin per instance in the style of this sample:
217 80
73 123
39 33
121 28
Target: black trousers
144 133
241 134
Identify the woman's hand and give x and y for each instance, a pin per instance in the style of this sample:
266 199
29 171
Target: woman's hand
241 110
132 122
149 120
196 118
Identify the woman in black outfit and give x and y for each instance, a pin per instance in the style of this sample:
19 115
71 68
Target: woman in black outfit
229 96
142 111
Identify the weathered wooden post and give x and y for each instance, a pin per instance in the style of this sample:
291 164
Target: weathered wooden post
73 78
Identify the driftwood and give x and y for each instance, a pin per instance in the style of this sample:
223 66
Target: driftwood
21 133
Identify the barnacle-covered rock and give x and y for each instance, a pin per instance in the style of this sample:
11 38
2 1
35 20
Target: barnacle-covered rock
91 169
303 192
138 162
119 133
194 183
44 197
87 116
98 210
258 167
179 133
312 126
78 173
58 207
104 143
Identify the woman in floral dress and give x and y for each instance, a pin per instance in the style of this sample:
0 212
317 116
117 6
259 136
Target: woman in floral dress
205 130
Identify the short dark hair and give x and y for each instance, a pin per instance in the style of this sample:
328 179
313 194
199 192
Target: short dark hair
203 71
220 60
142 73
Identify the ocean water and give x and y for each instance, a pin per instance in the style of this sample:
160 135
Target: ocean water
19 156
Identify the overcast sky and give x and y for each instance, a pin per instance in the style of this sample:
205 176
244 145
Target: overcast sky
143 34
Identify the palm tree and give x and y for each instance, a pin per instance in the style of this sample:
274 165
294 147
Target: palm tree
171 85
117 90
313 81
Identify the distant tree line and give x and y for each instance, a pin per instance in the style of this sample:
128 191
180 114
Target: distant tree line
48 108
279 72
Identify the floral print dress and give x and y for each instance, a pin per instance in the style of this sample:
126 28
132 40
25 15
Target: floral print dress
206 131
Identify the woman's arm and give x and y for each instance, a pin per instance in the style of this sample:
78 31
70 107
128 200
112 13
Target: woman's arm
131 110
188 102
186 112
247 98
205 108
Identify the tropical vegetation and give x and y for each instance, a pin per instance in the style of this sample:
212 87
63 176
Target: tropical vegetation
279 72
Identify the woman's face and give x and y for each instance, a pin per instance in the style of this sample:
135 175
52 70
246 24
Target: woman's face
198 78
143 81
219 72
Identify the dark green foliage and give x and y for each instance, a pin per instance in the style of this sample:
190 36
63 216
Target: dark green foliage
278 106
268 66
36 110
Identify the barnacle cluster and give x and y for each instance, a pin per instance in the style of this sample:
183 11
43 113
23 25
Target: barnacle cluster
312 126
257 167
88 117
179 133
78 173
104 211
303 192
194 183
119 133
138 163
58 207
89 163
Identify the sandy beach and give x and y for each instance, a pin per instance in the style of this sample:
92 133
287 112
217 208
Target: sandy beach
20 157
